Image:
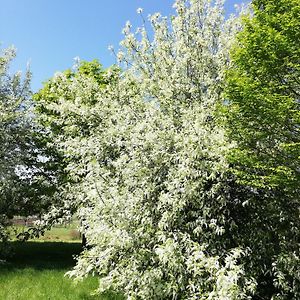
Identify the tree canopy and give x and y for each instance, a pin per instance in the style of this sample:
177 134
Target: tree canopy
263 118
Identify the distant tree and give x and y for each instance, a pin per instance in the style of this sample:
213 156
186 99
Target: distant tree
27 182
15 137
263 95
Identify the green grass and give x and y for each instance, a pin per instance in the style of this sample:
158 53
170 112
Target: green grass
58 233
61 234
36 272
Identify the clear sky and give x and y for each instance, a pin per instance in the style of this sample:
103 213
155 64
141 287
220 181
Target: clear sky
51 33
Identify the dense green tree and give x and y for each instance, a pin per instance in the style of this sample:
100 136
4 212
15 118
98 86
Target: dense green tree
263 115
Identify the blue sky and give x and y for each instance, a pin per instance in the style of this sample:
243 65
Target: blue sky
51 33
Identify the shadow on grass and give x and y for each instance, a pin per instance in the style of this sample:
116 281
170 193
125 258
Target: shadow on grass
42 255
38 264
104 296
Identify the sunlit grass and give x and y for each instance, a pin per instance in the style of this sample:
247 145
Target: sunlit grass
68 233
61 234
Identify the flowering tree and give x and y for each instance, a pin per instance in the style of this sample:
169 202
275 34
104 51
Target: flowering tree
146 160
25 184
14 137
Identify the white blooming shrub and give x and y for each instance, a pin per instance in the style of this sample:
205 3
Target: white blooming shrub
147 162
15 133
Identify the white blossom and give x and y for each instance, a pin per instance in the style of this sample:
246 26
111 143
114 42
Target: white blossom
110 48
151 174
139 10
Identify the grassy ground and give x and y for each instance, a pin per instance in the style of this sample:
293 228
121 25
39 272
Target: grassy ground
36 270
68 233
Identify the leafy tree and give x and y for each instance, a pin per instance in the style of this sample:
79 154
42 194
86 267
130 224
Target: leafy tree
26 186
264 117
15 132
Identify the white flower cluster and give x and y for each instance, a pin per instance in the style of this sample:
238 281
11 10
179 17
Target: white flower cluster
139 10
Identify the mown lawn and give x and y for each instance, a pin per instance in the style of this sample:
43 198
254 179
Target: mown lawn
36 271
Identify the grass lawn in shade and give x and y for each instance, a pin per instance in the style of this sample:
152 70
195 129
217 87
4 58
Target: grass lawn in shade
36 270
